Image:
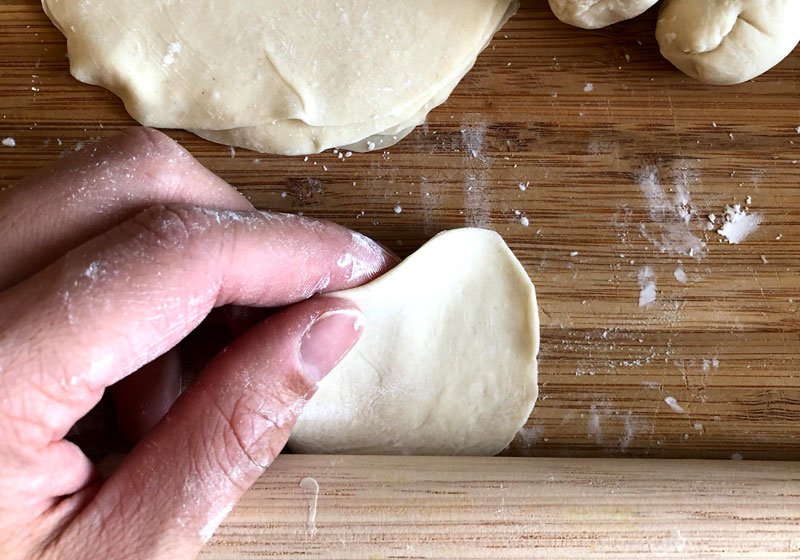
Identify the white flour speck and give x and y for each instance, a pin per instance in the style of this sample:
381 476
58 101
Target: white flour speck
738 225
9 142
709 363
588 88
676 542
398 209
524 221
673 404
595 430
530 435
680 275
311 489
736 457
172 50
647 285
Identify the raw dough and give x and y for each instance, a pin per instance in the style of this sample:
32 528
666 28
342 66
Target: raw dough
269 66
447 361
594 14
728 41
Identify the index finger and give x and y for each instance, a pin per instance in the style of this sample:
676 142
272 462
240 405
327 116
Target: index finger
126 297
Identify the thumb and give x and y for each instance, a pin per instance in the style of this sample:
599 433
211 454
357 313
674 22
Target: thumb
179 483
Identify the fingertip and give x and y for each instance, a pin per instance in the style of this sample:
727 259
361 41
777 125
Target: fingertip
328 339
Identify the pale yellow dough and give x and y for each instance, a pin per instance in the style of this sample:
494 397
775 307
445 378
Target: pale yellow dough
594 14
447 361
269 66
727 41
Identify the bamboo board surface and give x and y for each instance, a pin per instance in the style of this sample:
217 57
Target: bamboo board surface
504 508
584 119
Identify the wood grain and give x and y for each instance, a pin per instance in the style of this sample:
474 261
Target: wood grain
725 345
503 508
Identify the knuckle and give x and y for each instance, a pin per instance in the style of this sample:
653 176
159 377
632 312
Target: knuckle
258 425
168 226
149 143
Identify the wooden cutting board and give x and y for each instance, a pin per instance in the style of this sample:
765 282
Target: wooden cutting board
584 150
584 120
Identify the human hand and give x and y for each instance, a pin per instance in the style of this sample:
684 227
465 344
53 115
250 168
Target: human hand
110 258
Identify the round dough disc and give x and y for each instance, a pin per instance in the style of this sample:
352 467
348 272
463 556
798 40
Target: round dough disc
447 361
216 65
727 41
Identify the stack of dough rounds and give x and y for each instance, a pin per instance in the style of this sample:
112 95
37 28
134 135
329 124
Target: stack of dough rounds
279 76
447 361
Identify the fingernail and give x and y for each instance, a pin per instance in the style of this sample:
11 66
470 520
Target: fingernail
328 340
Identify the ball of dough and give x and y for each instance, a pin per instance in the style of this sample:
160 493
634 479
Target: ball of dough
447 361
594 14
727 41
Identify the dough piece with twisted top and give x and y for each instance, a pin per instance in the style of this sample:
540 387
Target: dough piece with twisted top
727 41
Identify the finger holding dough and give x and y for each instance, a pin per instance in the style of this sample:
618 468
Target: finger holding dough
727 42
594 14
447 364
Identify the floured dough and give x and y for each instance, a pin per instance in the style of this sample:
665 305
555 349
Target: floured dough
728 41
280 73
594 14
447 361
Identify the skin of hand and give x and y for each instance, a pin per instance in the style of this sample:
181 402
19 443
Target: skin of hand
110 258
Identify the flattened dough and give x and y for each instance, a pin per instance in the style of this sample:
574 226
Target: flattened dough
727 41
594 14
272 65
447 361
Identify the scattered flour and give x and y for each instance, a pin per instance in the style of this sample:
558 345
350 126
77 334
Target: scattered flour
9 142
588 88
738 224
680 275
477 203
647 284
709 363
670 230
530 435
675 542
398 209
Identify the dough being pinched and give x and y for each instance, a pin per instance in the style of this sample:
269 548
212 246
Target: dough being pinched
284 77
447 361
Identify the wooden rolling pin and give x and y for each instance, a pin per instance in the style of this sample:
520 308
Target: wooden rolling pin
497 508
